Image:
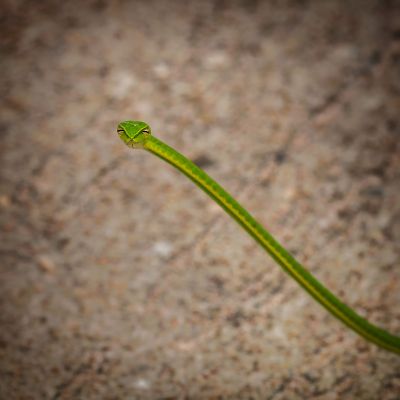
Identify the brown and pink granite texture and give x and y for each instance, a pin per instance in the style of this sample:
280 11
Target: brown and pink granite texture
118 278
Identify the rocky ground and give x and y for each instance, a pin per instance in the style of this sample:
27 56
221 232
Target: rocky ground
118 278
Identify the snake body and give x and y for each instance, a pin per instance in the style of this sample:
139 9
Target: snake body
137 134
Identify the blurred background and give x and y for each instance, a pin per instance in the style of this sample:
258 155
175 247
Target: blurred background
121 280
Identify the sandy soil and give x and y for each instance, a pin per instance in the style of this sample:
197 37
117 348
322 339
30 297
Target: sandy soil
118 278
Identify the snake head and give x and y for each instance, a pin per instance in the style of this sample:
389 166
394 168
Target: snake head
134 133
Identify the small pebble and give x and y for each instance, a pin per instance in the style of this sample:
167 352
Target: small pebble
46 264
162 249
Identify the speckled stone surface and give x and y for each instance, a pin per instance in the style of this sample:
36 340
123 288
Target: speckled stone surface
118 278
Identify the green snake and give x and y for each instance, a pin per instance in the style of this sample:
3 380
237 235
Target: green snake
137 134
